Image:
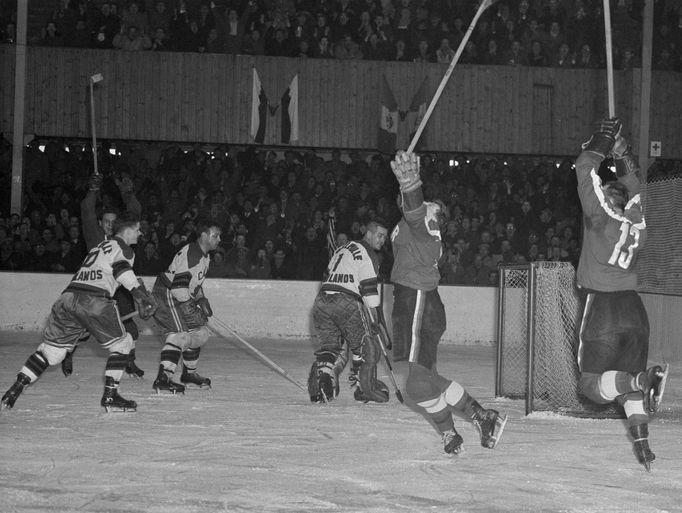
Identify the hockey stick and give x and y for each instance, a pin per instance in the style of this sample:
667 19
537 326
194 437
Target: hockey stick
222 329
609 59
484 5
398 393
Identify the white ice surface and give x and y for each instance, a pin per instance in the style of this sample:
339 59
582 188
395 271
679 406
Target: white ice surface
255 443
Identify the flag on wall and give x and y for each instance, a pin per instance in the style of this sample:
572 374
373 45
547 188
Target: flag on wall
259 109
418 109
290 112
388 121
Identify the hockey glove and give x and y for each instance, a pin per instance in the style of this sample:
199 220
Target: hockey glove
604 138
192 314
95 182
205 306
405 167
623 159
145 302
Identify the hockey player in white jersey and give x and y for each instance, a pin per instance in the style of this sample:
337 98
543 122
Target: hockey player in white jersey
184 310
344 312
86 305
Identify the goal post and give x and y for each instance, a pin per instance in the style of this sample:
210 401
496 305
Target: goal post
539 311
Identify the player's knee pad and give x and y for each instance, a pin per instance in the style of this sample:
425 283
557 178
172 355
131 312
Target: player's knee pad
454 393
198 337
180 340
122 345
52 354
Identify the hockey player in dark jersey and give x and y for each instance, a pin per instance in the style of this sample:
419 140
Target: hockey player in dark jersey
86 305
346 319
94 232
184 310
419 315
614 335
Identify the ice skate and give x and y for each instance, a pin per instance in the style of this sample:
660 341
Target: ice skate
163 382
67 364
652 384
194 378
453 442
111 400
131 368
490 425
380 387
14 392
640 436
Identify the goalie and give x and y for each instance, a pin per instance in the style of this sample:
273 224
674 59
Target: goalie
345 320
614 335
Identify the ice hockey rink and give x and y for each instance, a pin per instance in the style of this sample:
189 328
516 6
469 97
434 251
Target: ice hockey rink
254 442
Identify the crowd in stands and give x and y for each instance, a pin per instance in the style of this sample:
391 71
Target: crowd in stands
275 209
557 33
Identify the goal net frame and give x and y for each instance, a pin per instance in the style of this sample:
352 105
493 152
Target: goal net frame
539 312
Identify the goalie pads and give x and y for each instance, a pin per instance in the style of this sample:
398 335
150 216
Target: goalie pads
146 303
323 379
192 315
370 389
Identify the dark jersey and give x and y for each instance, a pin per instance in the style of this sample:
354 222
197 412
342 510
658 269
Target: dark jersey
611 241
352 269
417 248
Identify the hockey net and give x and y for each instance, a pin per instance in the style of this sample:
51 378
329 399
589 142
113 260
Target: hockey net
659 264
539 319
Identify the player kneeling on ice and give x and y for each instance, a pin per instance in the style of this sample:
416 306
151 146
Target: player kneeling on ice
344 312
184 310
419 315
86 305
614 335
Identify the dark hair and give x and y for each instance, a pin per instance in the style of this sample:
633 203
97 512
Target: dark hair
124 221
205 225
618 193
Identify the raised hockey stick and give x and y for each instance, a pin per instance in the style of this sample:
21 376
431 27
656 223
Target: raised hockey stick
222 329
609 59
484 5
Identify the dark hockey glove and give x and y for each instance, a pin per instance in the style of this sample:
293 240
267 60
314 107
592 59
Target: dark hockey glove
146 303
95 182
604 137
192 314
205 306
405 167
371 389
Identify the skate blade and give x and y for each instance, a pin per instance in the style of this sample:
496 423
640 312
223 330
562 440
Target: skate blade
113 409
500 423
647 466
4 406
655 403
189 386
168 392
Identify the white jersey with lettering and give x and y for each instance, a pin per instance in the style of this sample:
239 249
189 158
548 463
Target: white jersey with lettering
353 270
186 273
107 265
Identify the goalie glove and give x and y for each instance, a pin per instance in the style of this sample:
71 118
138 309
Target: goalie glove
146 303
604 138
405 167
205 306
193 316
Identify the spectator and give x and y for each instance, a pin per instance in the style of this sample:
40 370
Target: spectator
585 59
106 26
51 36
537 56
347 49
132 40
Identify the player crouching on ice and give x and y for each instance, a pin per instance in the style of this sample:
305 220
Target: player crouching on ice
614 335
344 311
86 305
184 310
419 315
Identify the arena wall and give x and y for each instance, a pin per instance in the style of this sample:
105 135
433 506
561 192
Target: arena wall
254 308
